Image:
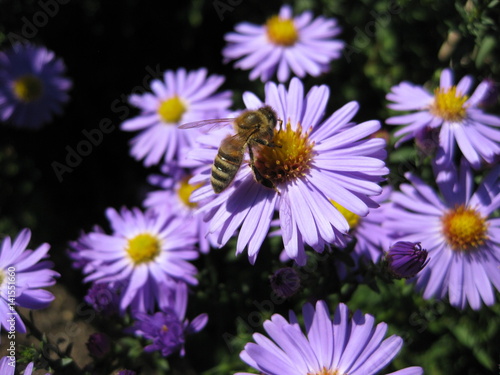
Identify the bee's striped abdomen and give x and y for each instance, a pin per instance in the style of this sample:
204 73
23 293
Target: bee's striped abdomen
224 169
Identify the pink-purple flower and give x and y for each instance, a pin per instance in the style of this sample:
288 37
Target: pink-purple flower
8 366
23 274
285 44
146 253
180 98
167 329
342 345
450 109
318 161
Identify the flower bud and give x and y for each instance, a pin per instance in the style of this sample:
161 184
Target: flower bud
405 259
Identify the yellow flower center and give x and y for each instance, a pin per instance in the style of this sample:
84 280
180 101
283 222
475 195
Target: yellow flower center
2 277
281 31
143 248
352 218
449 104
28 88
464 228
171 110
325 371
291 158
185 190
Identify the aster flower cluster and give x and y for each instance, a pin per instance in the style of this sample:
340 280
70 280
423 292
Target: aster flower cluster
289 178
142 267
456 224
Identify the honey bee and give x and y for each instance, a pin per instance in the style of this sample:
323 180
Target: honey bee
253 127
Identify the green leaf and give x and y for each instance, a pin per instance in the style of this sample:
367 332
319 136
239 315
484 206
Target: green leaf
483 358
486 46
66 361
402 154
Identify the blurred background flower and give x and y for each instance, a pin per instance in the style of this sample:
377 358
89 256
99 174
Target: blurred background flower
168 328
33 86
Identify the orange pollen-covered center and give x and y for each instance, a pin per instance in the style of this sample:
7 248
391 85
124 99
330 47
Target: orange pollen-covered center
281 31
449 104
290 159
325 371
464 228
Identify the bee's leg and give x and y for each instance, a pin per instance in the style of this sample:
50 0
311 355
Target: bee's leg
258 176
265 143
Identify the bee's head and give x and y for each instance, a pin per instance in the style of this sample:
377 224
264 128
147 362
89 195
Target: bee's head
270 114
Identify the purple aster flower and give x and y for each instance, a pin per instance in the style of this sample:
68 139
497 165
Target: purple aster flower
22 275
167 329
457 115
182 97
405 259
32 86
318 161
175 194
301 44
459 231
8 366
343 345
146 252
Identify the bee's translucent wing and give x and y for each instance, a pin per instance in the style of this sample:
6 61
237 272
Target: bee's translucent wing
214 123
